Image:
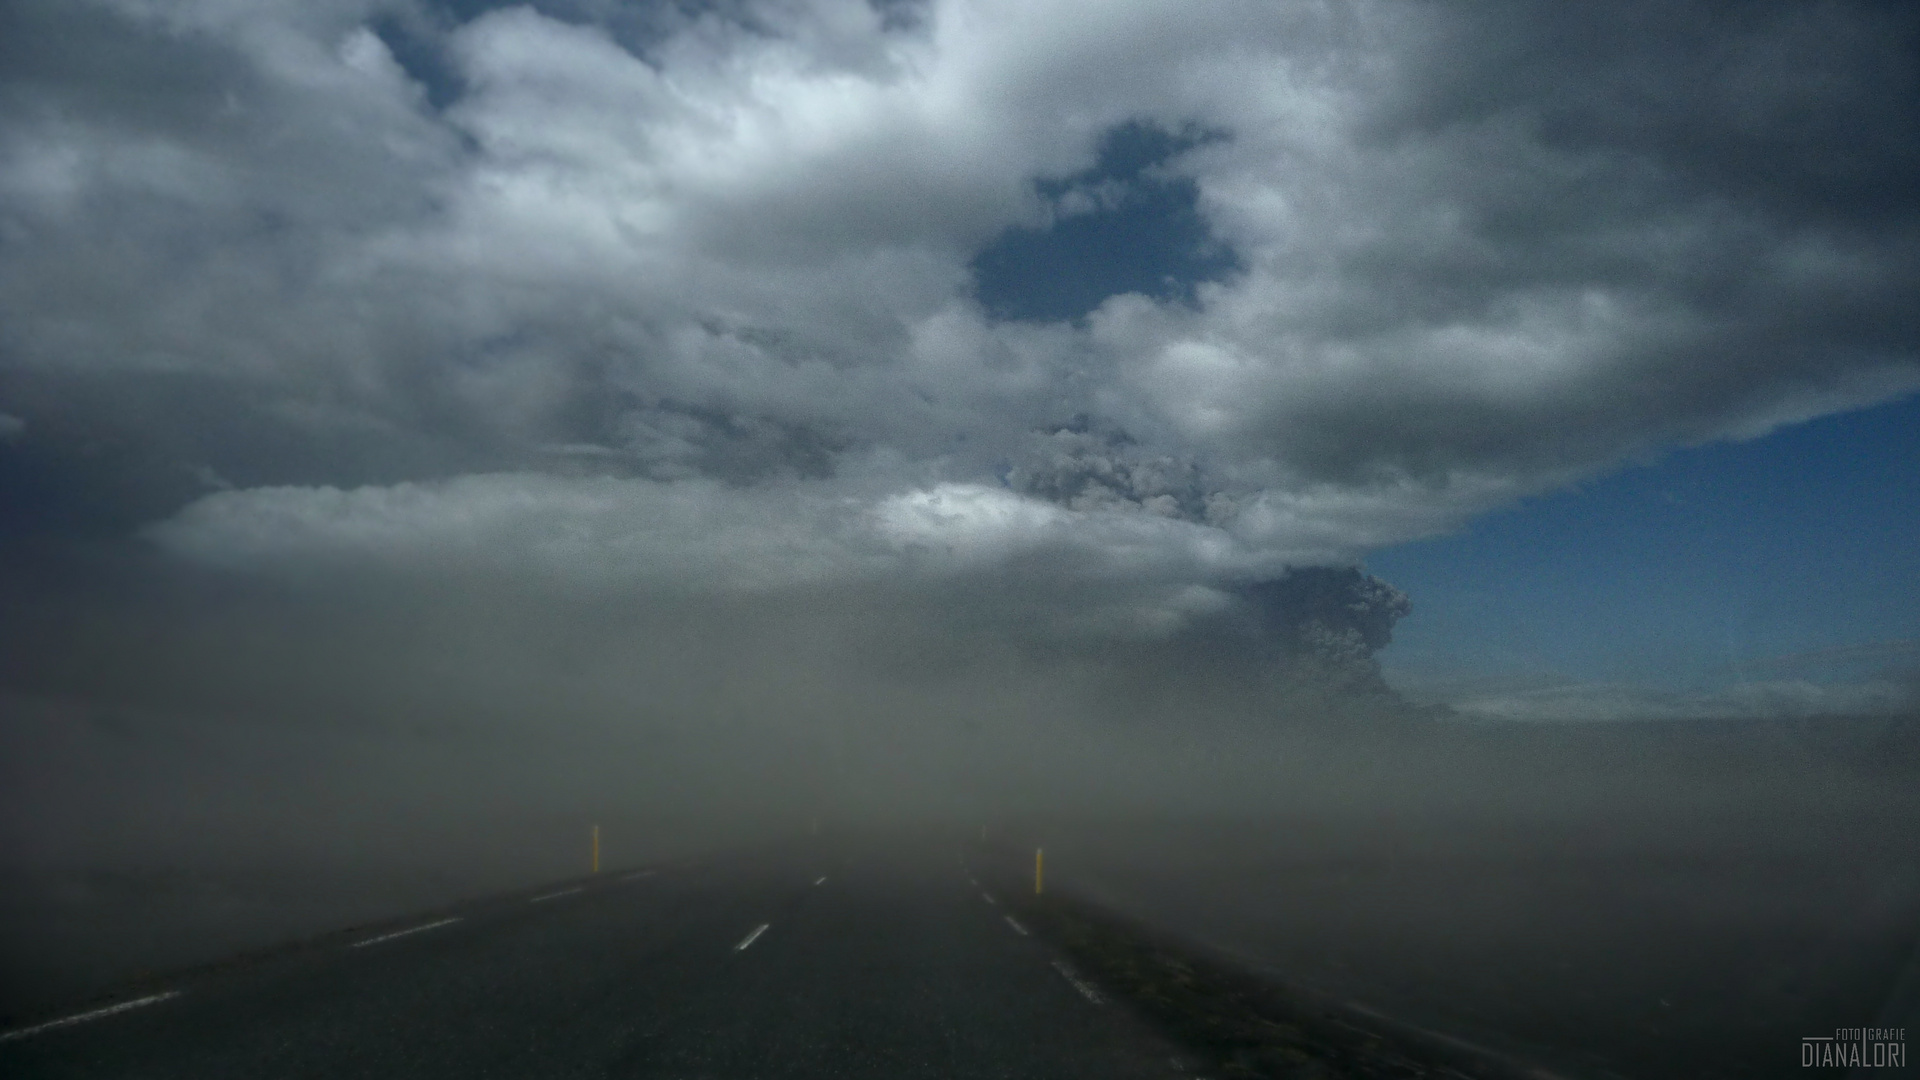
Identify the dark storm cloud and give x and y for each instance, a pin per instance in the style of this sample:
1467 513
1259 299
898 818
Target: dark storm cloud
1337 616
1803 112
1083 469
1658 218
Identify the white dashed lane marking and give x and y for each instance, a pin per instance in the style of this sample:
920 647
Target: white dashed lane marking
988 897
751 938
1078 984
638 876
820 880
1017 928
404 933
558 895
152 999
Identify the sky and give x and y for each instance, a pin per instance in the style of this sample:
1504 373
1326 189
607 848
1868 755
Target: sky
1767 576
367 359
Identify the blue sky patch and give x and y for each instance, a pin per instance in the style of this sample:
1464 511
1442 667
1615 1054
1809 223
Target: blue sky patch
1698 570
1123 226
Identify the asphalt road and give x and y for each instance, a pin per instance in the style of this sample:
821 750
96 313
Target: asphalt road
808 960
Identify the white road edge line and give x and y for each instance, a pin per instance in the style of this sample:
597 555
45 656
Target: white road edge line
96 1014
821 880
638 876
753 937
558 895
1089 992
1017 928
404 933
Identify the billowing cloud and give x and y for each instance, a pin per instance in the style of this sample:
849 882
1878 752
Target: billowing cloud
702 297
692 533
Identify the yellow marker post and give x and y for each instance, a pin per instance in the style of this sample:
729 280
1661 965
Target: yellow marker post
596 849
1039 871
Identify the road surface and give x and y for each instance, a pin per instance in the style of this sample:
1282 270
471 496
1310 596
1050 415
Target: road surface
804 961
